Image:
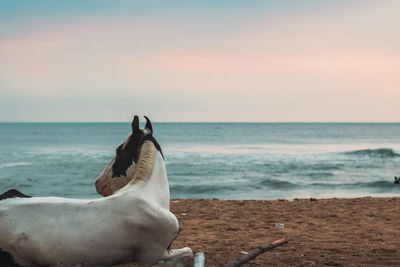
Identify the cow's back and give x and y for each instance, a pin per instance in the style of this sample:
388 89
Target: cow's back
51 231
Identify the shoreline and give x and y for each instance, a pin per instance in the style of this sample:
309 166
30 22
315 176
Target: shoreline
330 232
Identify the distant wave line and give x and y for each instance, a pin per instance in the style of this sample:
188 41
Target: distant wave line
14 164
379 152
290 149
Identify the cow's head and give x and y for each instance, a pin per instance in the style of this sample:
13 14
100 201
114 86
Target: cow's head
121 168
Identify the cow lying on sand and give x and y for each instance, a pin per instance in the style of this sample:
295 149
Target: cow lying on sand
133 223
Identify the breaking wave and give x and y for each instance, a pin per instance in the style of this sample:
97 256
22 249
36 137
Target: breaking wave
379 152
199 189
14 164
277 184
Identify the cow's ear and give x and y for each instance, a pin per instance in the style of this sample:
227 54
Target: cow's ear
148 126
135 124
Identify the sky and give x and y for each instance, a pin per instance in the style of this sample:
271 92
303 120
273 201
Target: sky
218 61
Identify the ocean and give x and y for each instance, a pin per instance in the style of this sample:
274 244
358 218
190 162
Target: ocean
211 160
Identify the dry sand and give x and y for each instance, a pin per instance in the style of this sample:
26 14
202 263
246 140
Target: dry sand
326 232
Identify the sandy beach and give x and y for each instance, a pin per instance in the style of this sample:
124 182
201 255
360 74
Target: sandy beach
325 232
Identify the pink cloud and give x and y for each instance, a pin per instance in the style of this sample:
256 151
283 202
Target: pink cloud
207 62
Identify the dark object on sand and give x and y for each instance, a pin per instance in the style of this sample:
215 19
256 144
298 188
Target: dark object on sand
13 193
313 199
255 252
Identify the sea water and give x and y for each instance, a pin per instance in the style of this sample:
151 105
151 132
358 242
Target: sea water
211 160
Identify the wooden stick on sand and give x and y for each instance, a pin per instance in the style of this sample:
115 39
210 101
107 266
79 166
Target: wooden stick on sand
255 252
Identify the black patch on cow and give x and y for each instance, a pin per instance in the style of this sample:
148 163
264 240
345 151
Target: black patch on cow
13 193
126 154
7 260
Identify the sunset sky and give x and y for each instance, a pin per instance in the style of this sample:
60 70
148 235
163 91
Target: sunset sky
269 61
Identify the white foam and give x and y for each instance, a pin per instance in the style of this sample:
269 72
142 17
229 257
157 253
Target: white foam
284 149
14 164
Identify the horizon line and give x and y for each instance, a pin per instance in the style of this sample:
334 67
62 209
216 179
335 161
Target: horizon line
376 122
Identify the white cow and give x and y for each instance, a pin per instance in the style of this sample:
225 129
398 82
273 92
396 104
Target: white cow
130 224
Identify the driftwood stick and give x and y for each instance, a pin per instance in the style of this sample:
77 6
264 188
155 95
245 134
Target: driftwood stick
255 252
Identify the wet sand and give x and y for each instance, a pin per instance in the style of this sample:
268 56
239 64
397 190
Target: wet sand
325 232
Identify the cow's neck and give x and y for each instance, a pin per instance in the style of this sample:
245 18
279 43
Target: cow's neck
154 189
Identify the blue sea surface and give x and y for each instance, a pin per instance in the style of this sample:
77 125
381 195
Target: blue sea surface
211 160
